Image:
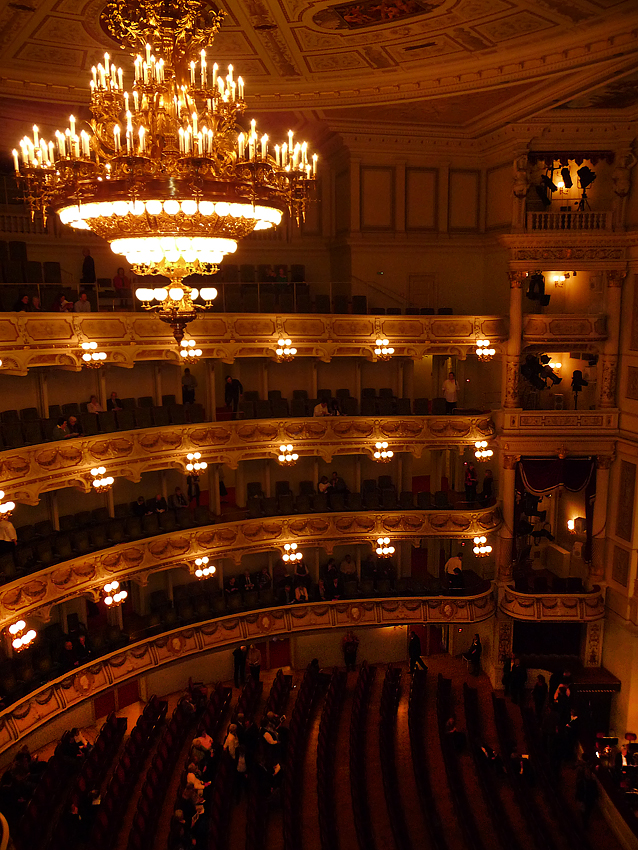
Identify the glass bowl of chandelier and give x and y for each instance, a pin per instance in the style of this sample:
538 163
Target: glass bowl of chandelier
481 548
286 456
384 548
481 450
483 350
382 453
21 639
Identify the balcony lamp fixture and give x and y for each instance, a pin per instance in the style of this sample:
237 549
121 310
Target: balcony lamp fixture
383 351
114 596
482 452
481 549
195 465
21 639
571 525
384 549
284 350
555 364
188 350
286 455
202 570
559 279
92 358
483 350
382 453
162 170
6 508
291 554
101 482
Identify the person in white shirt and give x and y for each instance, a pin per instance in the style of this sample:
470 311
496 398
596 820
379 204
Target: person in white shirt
94 405
450 392
8 537
321 409
232 741
454 570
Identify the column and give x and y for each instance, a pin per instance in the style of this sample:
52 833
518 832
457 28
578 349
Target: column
211 395
157 383
101 386
313 380
355 195
357 474
511 361
214 496
357 380
408 379
264 379
407 469
599 535
608 367
507 475
240 486
43 393
267 478
399 207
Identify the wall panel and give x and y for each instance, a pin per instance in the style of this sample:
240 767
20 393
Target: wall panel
463 200
377 198
421 208
499 197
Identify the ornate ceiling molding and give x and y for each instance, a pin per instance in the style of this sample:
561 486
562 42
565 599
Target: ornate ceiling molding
556 607
138 560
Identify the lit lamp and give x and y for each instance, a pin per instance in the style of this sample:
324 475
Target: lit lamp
287 457
101 482
114 596
188 350
481 549
482 452
291 554
483 350
6 508
21 639
384 549
195 465
92 358
382 453
383 350
556 365
284 351
202 570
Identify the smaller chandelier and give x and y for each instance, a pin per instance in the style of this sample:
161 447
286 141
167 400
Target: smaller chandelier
176 304
481 549
285 352
21 639
6 508
202 569
383 351
188 350
382 453
114 596
384 549
291 554
482 452
90 357
195 465
287 457
101 482
483 350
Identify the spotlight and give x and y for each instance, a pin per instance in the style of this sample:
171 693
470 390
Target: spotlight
578 382
548 183
531 370
567 177
536 288
586 176
541 191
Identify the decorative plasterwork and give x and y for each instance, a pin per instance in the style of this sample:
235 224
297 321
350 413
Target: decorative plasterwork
55 697
569 423
556 329
556 607
52 340
578 250
230 540
27 473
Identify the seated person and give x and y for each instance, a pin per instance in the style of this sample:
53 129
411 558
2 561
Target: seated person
160 505
334 588
68 657
286 594
321 409
140 509
264 582
75 429
113 403
83 650
94 405
348 568
301 582
334 408
231 586
247 583
337 484
324 484
61 430
331 570
178 499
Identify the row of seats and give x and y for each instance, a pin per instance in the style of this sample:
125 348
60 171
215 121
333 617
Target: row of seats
326 757
358 783
390 696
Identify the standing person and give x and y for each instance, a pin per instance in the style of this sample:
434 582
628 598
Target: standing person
82 305
122 286
192 488
239 660
454 570
232 391
539 695
518 678
471 483
189 385
487 493
473 655
450 392
414 652
350 646
8 536
254 661
88 267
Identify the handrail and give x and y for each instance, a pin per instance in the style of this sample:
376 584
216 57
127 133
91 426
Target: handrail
382 289
4 829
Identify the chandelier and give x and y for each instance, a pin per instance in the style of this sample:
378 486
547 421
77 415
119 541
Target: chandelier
101 482
382 453
114 596
202 570
384 549
195 465
162 171
188 350
383 351
92 358
287 457
483 350
481 549
21 639
482 452
284 350
6 508
291 554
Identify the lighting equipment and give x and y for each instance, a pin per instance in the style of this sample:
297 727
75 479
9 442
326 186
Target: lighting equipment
382 453
188 350
90 357
287 457
567 177
21 638
536 289
383 350
548 182
290 553
482 452
578 382
571 525
547 371
114 596
101 482
483 351
531 370
202 570
6 508
384 548
162 171
586 176
195 465
481 549
284 351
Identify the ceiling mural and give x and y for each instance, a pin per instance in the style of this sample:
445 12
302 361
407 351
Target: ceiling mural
372 12
618 94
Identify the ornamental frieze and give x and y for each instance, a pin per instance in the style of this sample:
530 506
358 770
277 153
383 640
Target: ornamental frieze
563 607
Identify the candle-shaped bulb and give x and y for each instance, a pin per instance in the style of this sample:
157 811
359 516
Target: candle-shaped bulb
72 124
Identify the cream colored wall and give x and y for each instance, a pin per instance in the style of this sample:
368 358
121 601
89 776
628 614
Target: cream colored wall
620 657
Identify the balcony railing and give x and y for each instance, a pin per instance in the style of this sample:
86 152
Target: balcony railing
563 329
571 221
554 607
564 422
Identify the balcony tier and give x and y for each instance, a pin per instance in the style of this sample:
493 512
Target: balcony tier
554 607
566 330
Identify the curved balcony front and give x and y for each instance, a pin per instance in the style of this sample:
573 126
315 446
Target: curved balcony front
553 607
28 472
552 330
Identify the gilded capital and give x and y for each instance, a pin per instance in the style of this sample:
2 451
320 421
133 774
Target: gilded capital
615 278
516 279
510 461
604 461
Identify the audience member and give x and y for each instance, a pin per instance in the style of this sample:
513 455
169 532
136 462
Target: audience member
539 695
75 429
487 491
264 582
321 408
189 385
22 304
232 392
231 587
254 661
247 583
122 286
160 506
178 499
61 304
35 306
321 591
301 582
507 672
455 735
239 664
83 651
94 405
282 276
350 645
454 570
334 588
450 392
82 305
140 508
8 536
473 655
586 791
414 652
518 678
61 430
68 658
348 568
324 485
113 402
286 594
337 484
192 488
334 408
88 267
241 771
471 483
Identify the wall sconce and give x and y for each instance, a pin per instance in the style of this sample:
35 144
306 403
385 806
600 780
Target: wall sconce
21 639
483 351
114 596
202 570
291 554
481 549
101 482
194 465
482 452
382 453
384 549
188 350
90 357
383 350
287 457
